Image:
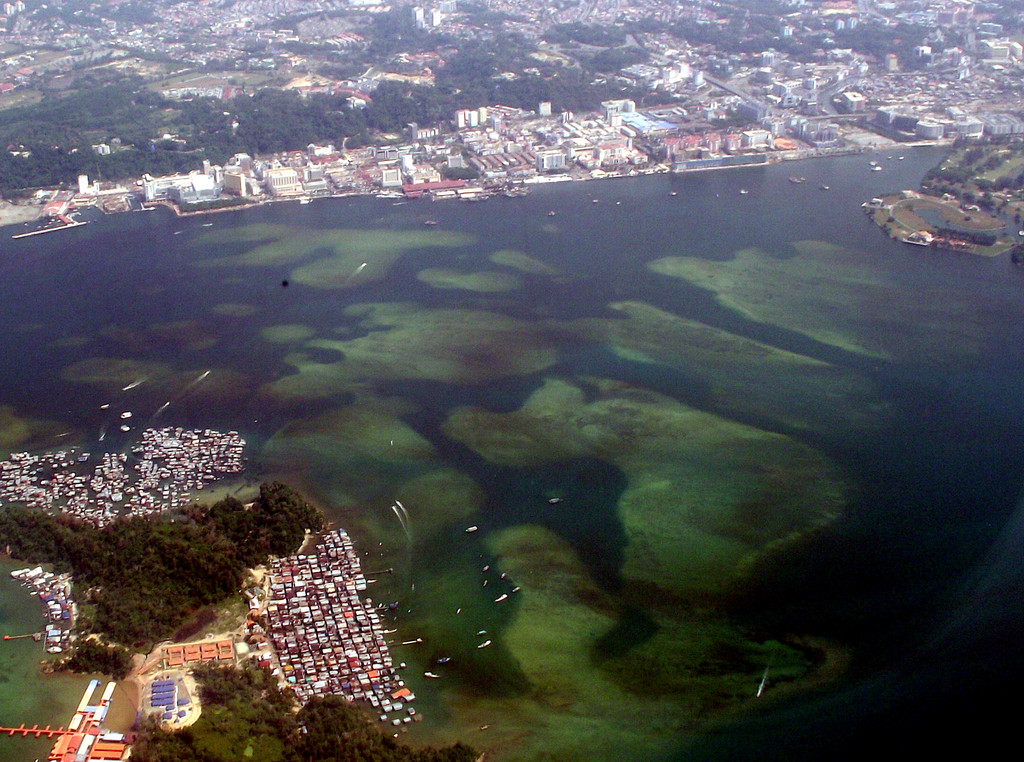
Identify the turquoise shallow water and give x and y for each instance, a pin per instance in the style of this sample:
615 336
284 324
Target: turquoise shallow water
25 695
758 418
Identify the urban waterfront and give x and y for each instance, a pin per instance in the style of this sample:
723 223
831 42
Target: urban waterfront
709 425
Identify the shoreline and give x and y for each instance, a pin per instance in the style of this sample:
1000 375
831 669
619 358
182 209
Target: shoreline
13 214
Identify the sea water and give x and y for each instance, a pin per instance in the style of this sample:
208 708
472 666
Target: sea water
701 431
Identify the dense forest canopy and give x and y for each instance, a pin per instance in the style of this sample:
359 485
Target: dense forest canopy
146 577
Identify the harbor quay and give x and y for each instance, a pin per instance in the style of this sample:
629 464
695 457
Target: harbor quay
164 469
326 638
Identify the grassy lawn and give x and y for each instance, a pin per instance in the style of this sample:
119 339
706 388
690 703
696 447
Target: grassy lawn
1013 163
20 97
950 213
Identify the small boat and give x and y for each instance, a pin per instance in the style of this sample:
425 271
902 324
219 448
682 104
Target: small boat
444 660
431 674
554 500
516 589
744 191
105 406
305 200
764 679
877 168
484 644
502 597
430 223
593 201
824 187
126 414
673 193
126 428
486 568
207 225
899 158
552 213
481 632
470 530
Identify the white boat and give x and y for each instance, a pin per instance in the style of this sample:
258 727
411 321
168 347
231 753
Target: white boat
431 674
500 598
764 679
126 414
484 644
470 530
744 191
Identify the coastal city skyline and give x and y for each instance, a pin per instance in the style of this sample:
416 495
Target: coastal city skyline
821 78
697 440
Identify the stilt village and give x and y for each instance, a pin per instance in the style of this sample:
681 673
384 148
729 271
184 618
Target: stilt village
322 634
327 639
164 470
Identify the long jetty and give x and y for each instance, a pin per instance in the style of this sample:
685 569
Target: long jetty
36 731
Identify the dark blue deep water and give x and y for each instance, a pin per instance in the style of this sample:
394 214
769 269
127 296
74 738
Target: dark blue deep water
917 580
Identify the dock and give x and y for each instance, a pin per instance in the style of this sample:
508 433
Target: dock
83 740
69 223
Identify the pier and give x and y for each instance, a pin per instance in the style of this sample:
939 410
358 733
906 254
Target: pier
67 223
83 740
35 731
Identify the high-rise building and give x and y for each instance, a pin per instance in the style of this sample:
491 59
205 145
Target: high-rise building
282 181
